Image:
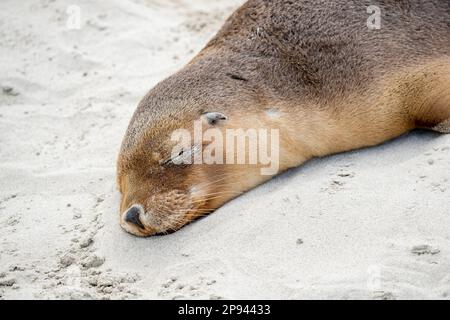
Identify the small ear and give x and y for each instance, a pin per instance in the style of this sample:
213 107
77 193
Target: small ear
213 118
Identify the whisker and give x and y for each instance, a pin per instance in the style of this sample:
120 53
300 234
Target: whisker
221 178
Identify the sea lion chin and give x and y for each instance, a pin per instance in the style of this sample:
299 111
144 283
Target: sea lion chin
325 82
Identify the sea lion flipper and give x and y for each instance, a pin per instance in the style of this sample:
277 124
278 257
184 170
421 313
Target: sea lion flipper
443 127
427 95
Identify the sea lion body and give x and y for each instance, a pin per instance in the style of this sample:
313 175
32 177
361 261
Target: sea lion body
312 69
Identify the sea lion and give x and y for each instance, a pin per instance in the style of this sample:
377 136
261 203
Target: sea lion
313 69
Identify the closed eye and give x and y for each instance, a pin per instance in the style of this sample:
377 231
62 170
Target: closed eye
171 160
184 157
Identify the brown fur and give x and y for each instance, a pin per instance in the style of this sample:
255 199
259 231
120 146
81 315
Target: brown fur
335 84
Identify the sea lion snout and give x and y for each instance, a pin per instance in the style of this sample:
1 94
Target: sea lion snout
150 211
132 221
132 216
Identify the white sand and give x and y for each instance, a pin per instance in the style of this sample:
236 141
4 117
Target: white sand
368 224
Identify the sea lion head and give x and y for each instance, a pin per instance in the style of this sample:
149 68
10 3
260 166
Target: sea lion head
160 194
162 188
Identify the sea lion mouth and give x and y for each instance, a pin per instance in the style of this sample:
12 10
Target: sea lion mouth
137 221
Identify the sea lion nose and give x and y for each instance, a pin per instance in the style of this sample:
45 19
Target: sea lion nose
133 216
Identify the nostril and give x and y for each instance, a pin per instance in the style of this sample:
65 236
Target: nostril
132 216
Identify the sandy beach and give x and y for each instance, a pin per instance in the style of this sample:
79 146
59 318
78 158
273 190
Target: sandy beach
370 224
